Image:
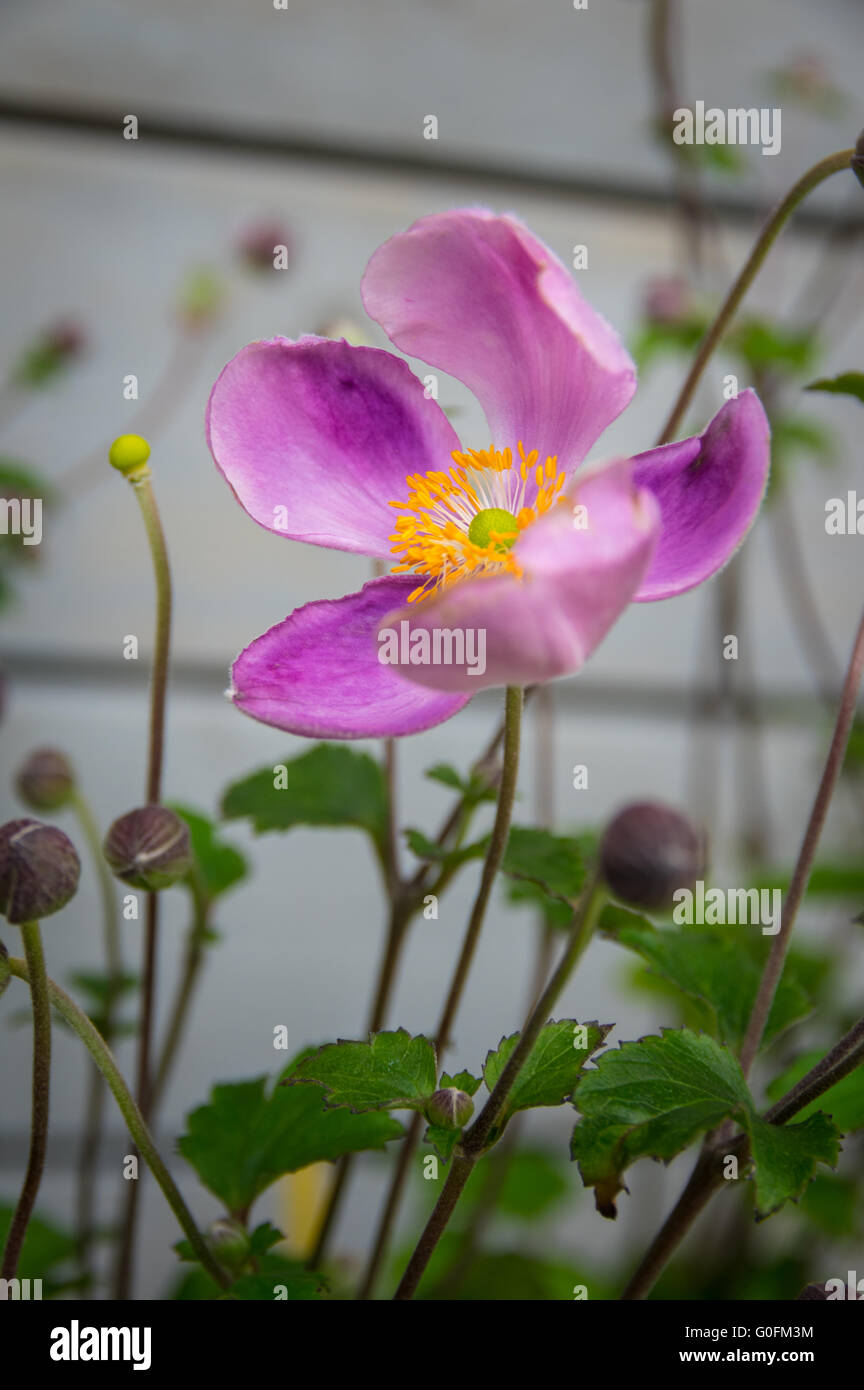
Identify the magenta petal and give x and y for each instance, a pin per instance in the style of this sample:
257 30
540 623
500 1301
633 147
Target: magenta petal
317 437
709 489
576 584
318 673
481 298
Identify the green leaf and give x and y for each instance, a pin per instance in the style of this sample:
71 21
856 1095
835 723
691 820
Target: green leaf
263 1238
246 1137
473 788
427 849
651 1098
329 785
220 865
553 862
843 1102
45 1245
846 384
392 1071
463 1081
832 1204
786 1158
765 345
552 1069
715 969
442 1140
274 1273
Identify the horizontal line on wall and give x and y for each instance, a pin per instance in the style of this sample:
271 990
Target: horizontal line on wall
609 697
166 130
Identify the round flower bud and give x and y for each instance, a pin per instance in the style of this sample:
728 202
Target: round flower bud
229 1243
450 1108
647 852
129 454
39 870
266 245
45 780
149 848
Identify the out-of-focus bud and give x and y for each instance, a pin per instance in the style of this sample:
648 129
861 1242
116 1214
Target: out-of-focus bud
667 299
647 852
267 246
450 1108
45 780
202 296
229 1243
858 159
39 869
343 327
149 848
55 346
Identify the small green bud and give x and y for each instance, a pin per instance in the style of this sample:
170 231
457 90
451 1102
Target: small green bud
129 454
647 852
39 870
149 848
450 1108
229 1242
45 780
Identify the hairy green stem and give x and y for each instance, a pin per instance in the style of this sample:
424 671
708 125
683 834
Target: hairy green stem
94 1106
803 867
832 164
513 703
141 486
41 1096
477 1137
135 1122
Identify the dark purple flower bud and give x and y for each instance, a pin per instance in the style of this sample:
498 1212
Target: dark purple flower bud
39 870
267 246
149 848
450 1108
45 781
647 852
858 159
229 1243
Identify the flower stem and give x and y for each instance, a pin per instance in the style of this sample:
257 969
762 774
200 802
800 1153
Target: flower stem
801 874
41 1096
832 164
143 490
704 1179
94 1108
513 702
104 1059
476 1138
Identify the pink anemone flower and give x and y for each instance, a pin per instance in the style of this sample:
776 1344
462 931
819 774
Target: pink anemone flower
509 564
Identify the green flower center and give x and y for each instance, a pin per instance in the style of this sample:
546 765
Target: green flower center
497 521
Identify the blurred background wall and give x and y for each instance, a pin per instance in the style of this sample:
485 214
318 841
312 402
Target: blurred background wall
312 118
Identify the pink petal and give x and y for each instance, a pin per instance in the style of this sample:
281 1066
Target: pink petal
318 673
317 437
576 583
709 488
480 297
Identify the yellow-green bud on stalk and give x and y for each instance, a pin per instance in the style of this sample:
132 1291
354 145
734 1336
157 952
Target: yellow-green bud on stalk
129 454
647 852
45 780
149 848
229 1242
39 870
450 1108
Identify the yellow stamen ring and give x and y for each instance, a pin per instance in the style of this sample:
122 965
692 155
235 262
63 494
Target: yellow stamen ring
464 522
